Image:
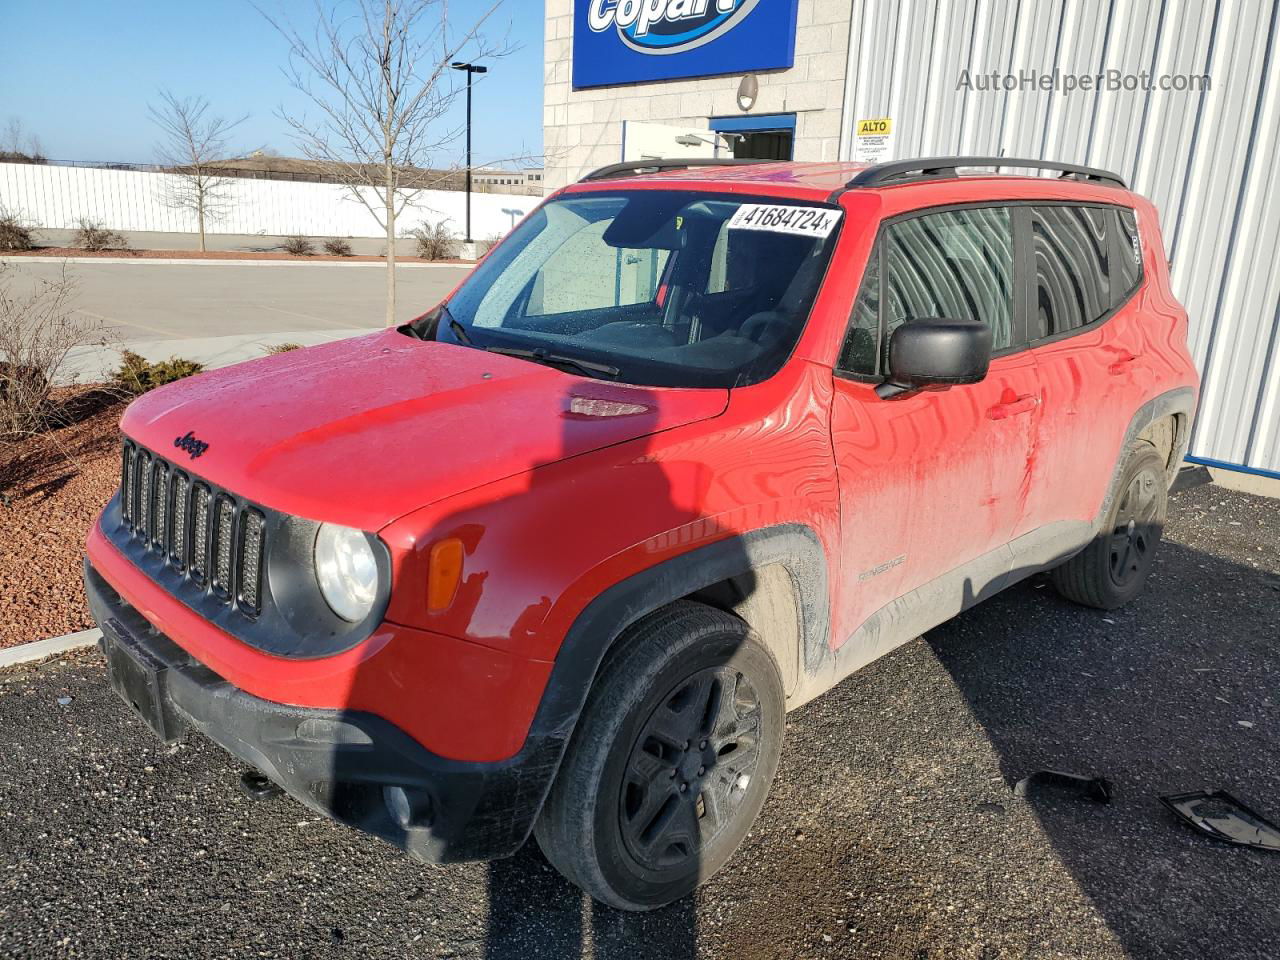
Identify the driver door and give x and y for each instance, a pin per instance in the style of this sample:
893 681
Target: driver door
932 483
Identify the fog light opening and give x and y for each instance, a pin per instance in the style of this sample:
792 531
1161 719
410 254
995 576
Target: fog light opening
409 807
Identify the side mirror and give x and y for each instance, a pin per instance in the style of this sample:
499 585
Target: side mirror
936 352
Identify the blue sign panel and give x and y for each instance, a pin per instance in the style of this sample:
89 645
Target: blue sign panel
634 41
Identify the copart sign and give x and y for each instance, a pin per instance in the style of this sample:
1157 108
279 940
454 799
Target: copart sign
633 41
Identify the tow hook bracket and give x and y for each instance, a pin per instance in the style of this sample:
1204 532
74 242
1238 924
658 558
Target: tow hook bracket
258 786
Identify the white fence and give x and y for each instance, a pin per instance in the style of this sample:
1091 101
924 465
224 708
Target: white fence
56 197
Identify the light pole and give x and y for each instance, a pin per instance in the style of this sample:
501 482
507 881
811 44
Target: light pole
470 68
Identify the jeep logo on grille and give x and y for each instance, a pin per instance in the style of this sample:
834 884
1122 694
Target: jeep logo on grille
667 26
189 443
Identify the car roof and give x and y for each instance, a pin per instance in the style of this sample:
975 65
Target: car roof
822 180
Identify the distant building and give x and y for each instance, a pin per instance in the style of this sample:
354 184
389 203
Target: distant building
527 182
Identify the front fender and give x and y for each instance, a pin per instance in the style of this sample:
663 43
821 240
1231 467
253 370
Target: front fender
795 547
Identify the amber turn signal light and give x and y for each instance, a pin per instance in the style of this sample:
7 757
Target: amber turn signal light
443 574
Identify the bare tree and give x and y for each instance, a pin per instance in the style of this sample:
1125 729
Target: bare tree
379 72
195 145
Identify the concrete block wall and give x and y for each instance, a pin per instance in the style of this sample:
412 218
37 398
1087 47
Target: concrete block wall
582 129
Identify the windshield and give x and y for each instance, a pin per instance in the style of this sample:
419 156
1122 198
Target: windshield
660 288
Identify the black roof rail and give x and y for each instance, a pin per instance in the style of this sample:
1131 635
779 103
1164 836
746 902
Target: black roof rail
629 167
929 168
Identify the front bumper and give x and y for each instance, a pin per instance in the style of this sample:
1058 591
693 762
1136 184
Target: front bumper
351 765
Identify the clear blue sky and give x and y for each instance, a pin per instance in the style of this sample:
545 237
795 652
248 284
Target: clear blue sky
80 73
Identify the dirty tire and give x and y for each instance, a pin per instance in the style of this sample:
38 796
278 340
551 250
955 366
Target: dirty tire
1113 568
670 762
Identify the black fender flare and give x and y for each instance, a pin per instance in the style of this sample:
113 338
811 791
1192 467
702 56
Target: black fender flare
794 546
1179 402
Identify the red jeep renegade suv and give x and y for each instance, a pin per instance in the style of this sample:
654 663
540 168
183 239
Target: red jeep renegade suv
692 444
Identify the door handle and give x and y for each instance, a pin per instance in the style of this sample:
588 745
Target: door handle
1012 408
1121 365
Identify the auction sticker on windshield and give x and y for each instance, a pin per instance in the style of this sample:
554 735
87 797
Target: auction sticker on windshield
783 218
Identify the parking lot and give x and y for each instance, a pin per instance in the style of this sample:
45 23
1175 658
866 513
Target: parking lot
891 830
153 300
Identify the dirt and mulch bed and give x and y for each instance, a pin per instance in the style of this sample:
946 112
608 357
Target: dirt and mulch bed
52 486
218 255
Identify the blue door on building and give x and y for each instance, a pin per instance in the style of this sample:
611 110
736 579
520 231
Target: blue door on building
765 137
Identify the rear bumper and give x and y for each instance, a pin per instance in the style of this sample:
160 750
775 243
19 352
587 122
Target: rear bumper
351 765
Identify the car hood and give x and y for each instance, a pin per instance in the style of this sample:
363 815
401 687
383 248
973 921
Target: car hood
362 431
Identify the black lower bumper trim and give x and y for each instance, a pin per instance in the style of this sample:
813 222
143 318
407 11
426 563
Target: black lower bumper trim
350 765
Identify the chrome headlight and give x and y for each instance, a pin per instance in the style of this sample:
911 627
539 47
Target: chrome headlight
346 571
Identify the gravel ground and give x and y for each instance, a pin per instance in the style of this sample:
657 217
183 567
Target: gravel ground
53 484
890 832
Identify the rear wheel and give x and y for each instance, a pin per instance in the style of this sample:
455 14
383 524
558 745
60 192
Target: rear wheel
1113 568
670 762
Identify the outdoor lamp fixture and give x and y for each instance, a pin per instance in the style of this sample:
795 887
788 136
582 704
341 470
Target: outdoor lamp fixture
471 68
693 140
748 90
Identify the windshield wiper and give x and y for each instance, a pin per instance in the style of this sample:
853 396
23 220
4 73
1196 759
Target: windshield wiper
539 355
459 331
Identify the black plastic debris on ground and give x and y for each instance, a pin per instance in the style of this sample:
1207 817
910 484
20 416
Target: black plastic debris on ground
1096 788
258 786
1218 814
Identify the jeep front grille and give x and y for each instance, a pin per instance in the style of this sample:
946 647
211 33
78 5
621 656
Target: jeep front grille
199 561
159 503
253 528
223 520
214 539
177 539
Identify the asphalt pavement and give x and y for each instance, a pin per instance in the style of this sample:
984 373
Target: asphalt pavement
235 242
147 300
891 830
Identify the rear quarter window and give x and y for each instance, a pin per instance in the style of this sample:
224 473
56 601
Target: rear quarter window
1128 254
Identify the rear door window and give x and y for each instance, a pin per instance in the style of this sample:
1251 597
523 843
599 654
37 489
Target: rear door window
1071 269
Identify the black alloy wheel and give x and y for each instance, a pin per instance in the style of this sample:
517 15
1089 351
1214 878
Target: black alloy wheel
691 768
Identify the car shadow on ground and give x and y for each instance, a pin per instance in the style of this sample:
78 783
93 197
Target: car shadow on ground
533 911
1162 696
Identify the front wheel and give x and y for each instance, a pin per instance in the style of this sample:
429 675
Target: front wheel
1112 569
670 762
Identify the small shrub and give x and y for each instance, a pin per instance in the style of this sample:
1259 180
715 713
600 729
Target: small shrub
337 247
435 242
22 385
38 328
136 374
282 348
488 243
298 245
92 235
14 234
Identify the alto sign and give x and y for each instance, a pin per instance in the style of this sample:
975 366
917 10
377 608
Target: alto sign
634 41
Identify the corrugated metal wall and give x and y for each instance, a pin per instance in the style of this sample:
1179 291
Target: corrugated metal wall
1210 160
